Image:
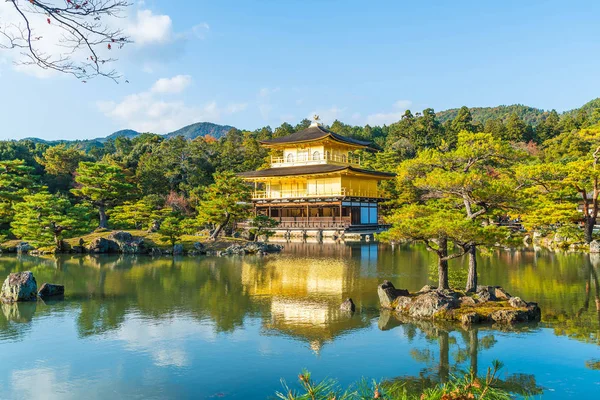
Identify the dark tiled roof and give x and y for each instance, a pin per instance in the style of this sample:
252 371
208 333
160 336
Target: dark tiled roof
314 133
308 170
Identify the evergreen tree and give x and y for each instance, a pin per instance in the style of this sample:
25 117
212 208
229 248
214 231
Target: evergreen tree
262 225
225 201
463 121
16 181
170 230
103 185
60 163
472 178
44 218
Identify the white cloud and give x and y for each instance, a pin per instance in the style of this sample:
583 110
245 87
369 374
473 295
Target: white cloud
148 28
148 112
236 107
265 93
265 110
176 84
384 118
201 30
287 118
264 101
165 340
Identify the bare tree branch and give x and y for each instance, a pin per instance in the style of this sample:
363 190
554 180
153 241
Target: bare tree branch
86 35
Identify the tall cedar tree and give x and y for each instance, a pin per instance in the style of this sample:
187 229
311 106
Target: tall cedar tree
224 201
103 185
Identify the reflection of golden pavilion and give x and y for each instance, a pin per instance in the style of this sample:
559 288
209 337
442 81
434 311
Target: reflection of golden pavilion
305 296
297 277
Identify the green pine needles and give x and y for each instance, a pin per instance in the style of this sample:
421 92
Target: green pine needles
467 386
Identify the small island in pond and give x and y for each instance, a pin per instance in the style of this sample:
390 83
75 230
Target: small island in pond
488 304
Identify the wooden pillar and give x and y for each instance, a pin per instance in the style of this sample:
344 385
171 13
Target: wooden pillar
350 215
307 215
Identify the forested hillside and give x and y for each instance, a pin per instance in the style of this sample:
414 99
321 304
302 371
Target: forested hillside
132 181
530 115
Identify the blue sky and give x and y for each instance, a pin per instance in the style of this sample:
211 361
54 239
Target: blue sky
256 63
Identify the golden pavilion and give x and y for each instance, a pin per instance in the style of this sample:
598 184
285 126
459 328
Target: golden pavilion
316 183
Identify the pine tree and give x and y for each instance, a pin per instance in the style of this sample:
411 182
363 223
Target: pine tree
103 185
16 181
224 201
44 218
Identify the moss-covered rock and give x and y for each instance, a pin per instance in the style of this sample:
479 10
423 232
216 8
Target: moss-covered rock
490 304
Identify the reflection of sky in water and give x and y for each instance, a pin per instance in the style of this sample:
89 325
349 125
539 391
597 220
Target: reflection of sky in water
232 328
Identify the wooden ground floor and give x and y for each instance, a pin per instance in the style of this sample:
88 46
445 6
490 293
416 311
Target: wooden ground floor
335 214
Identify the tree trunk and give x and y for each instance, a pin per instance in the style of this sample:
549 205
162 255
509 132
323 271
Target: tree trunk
57 242
444 366
473 349
588 228
472 277
443 263
220 227
103 220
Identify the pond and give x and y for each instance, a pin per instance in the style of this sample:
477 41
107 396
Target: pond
232 327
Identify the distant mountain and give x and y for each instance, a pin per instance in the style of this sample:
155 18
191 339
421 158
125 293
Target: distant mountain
189 132
201 129
588 107
128 133
482 114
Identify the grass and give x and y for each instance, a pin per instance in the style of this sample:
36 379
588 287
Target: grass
464 387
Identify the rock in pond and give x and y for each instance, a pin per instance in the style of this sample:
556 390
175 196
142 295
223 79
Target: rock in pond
489 304
177 249
594 246
251 248
103 246
49 290
516 302
388 293
23 248
430 303
155 252
348 305
19 286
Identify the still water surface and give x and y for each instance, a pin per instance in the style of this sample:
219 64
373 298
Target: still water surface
202 328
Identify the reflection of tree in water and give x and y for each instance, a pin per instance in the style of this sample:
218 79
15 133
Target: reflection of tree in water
468 348
584 324
105 289
15 319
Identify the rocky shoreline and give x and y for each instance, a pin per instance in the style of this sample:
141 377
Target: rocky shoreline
122 242
489 304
